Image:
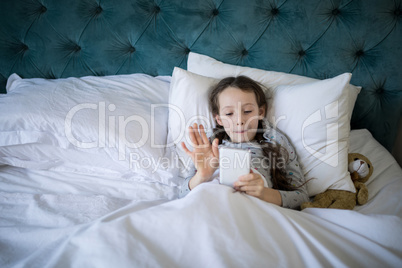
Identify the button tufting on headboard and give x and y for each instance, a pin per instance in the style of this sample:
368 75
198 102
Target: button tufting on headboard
98 10
274 11
335 12
131 49
157 9
43 9
23 47
380 90
359 53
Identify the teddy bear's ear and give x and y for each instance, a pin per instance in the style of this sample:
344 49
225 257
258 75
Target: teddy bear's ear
352 157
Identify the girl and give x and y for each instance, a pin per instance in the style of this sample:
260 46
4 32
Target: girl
239 105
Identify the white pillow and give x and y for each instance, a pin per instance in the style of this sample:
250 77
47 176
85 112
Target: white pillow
322 156
106 125
207 66
188 103
319 128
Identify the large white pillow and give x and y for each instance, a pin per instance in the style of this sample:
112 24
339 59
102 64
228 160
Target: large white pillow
319 130
188 103
207 66
107 125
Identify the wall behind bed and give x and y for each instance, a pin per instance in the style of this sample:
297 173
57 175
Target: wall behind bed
316 38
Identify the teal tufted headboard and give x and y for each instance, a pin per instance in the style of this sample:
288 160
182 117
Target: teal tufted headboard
316 38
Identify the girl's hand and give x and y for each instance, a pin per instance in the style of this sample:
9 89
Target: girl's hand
205 155
253 184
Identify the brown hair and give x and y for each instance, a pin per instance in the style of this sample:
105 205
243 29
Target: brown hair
272 151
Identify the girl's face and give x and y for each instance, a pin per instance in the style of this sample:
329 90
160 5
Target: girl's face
239 114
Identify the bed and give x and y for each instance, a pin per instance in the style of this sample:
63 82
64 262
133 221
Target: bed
96 97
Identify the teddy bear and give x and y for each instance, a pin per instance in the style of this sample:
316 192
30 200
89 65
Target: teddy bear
360 169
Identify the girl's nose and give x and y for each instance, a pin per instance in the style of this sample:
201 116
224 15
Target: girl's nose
240 120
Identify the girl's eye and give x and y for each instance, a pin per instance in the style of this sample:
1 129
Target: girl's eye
247 112
229 114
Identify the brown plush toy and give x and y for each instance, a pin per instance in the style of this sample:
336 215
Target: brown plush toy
360 169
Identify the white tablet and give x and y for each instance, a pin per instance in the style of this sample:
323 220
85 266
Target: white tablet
233 163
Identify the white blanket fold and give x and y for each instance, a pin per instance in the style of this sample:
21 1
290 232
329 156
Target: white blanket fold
216 227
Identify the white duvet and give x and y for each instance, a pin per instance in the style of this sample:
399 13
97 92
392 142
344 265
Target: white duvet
50 219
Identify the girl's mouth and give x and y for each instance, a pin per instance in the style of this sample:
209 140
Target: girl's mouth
240 131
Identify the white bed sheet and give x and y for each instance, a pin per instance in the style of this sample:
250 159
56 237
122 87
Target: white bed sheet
50 219
41 194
